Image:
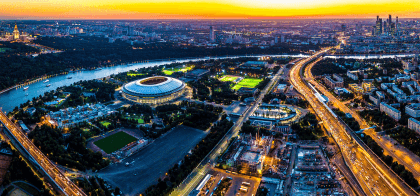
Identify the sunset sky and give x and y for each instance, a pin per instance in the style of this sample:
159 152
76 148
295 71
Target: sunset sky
205 9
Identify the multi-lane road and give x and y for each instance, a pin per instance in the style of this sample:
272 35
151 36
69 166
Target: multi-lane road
206 164
63 185
373 175
404 156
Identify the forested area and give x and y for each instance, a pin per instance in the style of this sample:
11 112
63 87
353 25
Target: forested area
307 128
92 52
70 151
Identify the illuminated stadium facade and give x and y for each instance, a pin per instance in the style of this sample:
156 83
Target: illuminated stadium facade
153 90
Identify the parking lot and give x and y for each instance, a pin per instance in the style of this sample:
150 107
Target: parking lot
152 162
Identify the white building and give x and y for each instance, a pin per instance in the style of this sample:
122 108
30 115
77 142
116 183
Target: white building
413 110
414 125
374 99
352 75
390 111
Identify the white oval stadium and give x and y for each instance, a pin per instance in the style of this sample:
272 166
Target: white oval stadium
153 90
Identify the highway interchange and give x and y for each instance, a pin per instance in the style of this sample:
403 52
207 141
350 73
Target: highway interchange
374 177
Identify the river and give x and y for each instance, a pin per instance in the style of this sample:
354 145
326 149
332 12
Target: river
15 97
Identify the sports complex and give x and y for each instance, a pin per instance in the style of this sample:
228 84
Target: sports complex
153 90
240 81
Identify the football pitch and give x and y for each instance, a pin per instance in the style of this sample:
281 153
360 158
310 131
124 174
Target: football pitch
115 142
228 78
169 71
247 82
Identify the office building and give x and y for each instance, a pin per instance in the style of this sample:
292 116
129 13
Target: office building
212 36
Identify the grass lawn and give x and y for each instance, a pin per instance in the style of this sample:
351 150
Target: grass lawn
4 49
228 78
114 142
105 123
135 74
139 120
247 82
169 71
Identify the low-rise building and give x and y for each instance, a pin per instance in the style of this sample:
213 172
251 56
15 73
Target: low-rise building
197 73
356 88
247 91
390 111
352 75
281 88
330 82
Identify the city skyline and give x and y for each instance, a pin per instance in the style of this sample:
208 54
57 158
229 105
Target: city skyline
205 9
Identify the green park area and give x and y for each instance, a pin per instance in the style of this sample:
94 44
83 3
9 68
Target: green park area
134 117
105 123
4 49
132 74
114 142
247 82
169 71
228 78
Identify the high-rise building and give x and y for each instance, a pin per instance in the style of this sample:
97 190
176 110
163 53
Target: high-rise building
16 33
212 37
378 30
343 27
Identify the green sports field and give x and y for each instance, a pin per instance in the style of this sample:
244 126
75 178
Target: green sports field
247 82
228 78
114 142
139 120
135 74
169 71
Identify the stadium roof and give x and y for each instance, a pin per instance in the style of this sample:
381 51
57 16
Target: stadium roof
155 86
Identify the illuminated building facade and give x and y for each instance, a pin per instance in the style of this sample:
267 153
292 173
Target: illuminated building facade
153 90
16 34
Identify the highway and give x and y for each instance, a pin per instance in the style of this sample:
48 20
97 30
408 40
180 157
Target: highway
404 156
65 185
206 164
372 174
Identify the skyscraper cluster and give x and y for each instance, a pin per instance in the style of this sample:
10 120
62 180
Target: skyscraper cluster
386 27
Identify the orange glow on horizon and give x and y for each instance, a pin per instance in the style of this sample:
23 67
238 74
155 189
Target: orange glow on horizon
205 9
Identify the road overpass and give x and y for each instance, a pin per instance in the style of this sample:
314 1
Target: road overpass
372 174
58 181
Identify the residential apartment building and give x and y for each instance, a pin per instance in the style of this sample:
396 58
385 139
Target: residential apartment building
414 125
413 110
390 111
